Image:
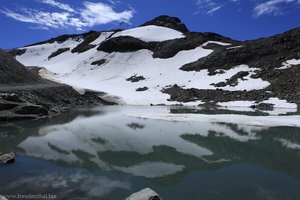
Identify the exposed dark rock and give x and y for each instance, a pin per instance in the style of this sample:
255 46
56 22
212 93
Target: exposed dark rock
32 109
233 81
122 44
264 106
179 94
85 45
58 52
170 48
136 126
266 54
262 53
166 49
7 105
13 72
169 22
135 78
99 62
16 52
186 95
63 38
142 89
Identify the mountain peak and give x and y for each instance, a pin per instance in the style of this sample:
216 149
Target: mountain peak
169 22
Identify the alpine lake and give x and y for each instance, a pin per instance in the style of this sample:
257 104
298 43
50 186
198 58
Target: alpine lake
108 153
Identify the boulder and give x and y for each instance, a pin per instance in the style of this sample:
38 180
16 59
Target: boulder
145 194
8 158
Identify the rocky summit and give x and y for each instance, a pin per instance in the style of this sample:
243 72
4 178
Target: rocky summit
162 62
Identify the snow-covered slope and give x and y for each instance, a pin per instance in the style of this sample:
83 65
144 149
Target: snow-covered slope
151 33
158 64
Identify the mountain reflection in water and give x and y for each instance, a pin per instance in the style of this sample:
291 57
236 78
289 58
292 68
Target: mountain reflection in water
103 153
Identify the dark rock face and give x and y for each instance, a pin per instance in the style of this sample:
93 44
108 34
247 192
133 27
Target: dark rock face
16 52
99 62
170 48
63 38
7 105
13 72
211 97
166 49
85 45
58 52
266 54
169 22
123 44
186 95
263 53
264 106
135 79
142 89
136 126
43 102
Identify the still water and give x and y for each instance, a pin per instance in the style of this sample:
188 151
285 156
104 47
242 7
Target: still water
104 153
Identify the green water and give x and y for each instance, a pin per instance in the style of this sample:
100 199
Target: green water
102 153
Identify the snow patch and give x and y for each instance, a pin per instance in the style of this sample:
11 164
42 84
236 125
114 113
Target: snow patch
236 104
247 83
151 33
281 107
215 42
289 63
278 103
235 47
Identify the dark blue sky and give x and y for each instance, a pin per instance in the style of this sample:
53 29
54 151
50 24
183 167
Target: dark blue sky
27 21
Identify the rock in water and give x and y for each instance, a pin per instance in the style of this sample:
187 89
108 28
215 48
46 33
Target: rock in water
2 198
8 158
145 194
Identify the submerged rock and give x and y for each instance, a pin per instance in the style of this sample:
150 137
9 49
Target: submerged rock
145 194
8 158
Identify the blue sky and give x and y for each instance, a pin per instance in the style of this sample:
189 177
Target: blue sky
27 21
